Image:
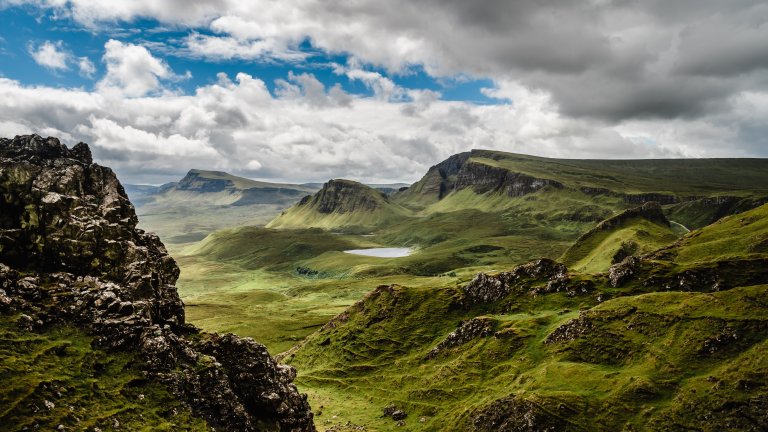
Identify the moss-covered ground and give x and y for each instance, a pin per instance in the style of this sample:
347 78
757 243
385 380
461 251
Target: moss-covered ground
54 377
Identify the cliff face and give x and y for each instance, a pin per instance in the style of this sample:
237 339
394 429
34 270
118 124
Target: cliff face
70 253
484 178
344 196
459 172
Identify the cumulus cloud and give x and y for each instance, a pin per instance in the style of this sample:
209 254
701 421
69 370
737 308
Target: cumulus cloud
598 78
236 125
50 55
132 70
607 60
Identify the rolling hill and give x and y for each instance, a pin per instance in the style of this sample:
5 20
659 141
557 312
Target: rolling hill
635 231
480 328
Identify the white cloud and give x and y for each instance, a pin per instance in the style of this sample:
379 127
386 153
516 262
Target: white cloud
86 66
238 126
226 48
132 70
50 55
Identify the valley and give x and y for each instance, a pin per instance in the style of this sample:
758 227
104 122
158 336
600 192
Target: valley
463 332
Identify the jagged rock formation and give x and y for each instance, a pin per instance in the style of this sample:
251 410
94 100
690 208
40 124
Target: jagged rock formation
345 196
515 414
71 253
459 172
465 332
485 288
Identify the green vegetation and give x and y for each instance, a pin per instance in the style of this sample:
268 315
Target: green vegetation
54 377
741 236
645 356
649 361
634 232
341 205
664 176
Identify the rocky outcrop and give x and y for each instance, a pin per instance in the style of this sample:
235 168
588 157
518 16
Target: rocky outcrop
71 253
622 272
344 196
485 288
515 414
466 331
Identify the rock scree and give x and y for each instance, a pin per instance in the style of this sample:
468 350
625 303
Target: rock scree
70 253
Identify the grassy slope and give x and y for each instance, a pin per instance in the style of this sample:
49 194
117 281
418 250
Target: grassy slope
742 235
596 252
612 378
657 360
88 387
376 211
673 176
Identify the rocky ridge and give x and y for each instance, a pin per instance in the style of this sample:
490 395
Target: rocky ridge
344 196
71 253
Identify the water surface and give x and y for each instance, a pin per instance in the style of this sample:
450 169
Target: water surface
382 252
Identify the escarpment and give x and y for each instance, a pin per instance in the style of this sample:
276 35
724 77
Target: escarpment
70 253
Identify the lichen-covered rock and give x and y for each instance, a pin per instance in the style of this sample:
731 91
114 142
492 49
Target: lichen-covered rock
571 330
486 288
70 253
464 333
515 414
622 272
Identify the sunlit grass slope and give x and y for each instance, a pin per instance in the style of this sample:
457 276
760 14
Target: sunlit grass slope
634 232
612 359
741 236
54 377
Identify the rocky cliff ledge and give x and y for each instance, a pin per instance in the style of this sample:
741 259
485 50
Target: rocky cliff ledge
70 252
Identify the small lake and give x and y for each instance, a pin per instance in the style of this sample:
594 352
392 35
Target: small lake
382 252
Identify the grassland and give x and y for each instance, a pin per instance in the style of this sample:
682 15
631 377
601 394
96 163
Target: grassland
649 360
654 361
55 377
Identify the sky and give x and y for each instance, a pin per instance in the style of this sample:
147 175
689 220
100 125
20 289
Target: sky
379 91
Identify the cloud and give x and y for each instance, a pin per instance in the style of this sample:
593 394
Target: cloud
597 78
50 55
236 125
86 66
132 70
228 48
603 60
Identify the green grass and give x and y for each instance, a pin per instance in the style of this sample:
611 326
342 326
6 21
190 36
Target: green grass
597 251
740 236
88 387
639 365
617 375
670 176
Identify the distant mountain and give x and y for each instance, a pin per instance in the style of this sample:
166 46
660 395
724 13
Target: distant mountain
668 181
340 203
205 201
695 192
220 188
387 188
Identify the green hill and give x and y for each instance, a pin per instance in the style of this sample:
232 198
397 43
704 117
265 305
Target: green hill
679 344
739 236
635 231
461 335
341 205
